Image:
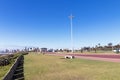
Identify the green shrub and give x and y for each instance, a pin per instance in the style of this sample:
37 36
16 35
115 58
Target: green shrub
8 59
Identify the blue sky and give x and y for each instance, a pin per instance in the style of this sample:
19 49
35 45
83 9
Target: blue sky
45 23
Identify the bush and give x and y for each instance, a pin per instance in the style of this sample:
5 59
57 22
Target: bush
8 59
4 61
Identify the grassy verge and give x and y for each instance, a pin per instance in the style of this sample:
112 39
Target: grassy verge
4 70
11 59
44 67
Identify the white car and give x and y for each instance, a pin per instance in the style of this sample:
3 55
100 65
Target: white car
116 50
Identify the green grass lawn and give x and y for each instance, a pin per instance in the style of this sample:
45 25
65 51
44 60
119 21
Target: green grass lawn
45 67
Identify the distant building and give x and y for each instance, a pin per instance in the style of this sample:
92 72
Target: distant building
31 49
43 50
51 50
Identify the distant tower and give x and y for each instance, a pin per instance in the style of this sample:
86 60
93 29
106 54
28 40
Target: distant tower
71 18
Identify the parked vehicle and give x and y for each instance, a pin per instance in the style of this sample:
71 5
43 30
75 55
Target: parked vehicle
116 50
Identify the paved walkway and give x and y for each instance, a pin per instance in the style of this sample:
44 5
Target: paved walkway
102 57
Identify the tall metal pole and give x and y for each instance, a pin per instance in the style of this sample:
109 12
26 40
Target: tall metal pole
71 17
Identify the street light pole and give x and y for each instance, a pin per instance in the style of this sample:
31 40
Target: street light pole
71 18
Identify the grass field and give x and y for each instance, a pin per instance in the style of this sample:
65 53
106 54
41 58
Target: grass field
4 70
44 67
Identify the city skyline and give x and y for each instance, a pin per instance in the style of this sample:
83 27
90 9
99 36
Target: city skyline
45 23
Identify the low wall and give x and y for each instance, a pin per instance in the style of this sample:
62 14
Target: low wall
10 73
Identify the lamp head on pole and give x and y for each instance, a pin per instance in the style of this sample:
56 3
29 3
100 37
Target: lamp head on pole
71 16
